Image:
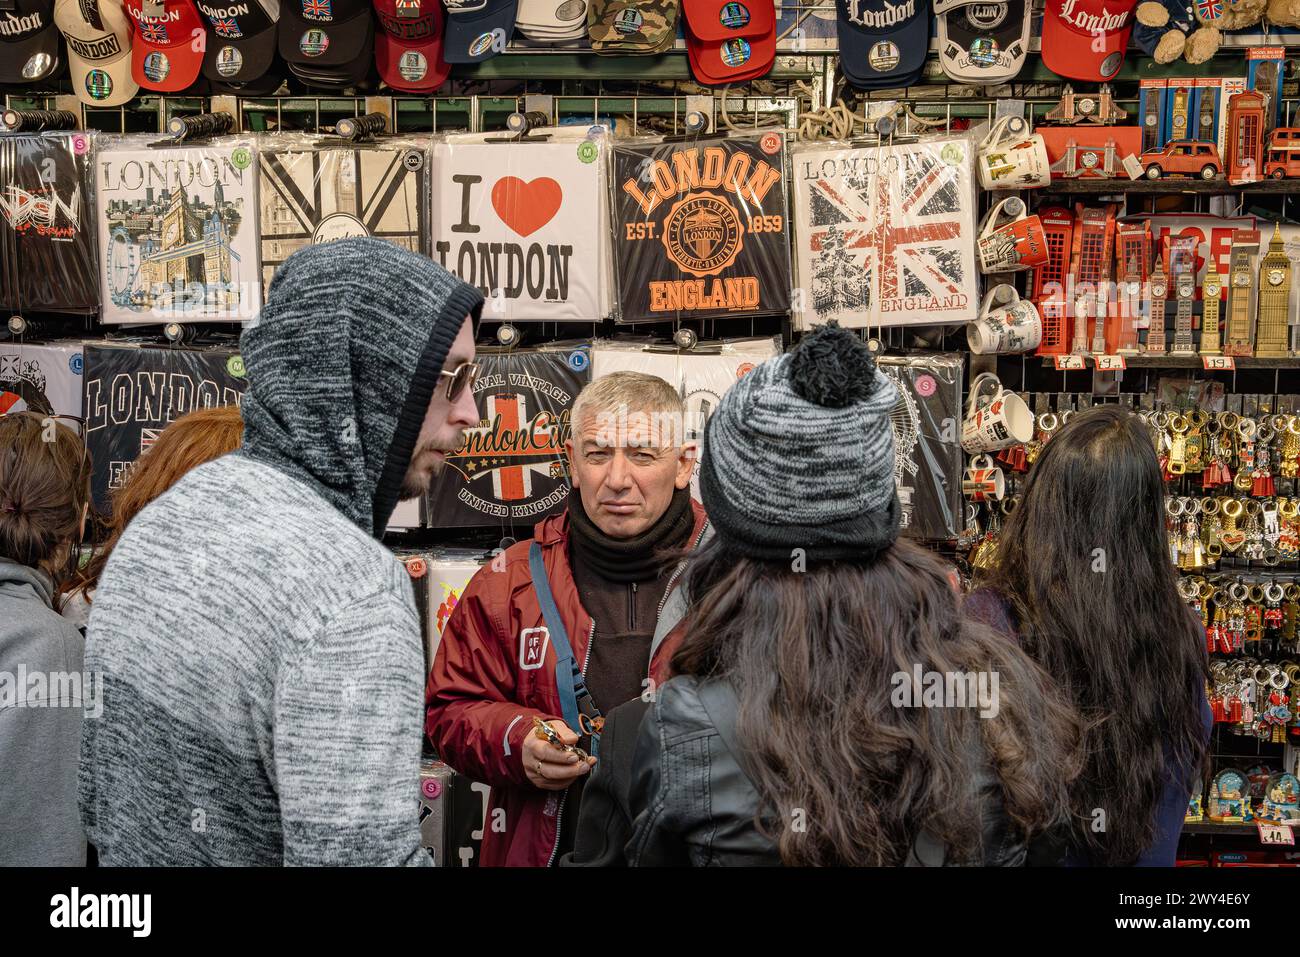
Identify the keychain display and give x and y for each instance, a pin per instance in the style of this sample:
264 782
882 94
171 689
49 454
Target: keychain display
883 234
511 471
701 228
178 232
133 393
525 222
313 193
47 236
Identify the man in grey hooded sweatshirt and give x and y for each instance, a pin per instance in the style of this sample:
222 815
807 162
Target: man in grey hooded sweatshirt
260 648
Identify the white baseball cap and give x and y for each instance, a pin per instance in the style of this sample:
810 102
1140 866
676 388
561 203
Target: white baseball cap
99 50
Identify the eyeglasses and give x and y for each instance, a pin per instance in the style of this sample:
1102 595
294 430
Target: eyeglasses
462 376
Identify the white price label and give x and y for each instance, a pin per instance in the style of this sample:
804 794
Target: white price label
1219 363
1111 364
1133 166
1275 833
1068 362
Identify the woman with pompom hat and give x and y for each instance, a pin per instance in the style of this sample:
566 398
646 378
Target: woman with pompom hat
795 729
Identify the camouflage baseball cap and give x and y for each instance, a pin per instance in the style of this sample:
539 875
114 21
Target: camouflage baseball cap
632 26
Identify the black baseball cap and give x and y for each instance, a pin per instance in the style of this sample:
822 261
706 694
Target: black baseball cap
241 39
477 30
883 43
329 42
29 41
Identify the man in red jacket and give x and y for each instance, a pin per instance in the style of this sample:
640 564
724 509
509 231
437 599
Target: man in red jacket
571 624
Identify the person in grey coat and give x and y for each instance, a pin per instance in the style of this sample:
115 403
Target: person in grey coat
261 651
44 491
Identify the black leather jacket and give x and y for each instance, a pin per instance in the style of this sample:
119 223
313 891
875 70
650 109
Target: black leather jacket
694 805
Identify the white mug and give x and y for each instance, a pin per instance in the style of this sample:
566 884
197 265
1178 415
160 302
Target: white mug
1014 326
1017 244
1010 157
997 421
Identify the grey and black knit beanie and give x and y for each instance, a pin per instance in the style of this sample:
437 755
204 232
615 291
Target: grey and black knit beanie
800 454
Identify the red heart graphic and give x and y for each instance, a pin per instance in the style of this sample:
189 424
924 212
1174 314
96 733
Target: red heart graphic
526 207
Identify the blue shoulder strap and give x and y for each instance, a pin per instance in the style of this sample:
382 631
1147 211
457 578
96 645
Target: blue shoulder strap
568 678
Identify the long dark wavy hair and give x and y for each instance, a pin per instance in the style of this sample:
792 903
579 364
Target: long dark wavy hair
812 656
1084 566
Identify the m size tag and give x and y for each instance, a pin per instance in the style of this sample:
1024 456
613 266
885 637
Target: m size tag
1063 363
1219 363
1274 834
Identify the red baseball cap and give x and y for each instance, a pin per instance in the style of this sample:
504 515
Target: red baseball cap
731 60
408 45
724 19
1085 39
163 43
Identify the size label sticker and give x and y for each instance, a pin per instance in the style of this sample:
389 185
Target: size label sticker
1068 362
1219 363
1111 364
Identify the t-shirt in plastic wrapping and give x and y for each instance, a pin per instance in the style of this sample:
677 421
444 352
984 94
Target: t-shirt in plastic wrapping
701 228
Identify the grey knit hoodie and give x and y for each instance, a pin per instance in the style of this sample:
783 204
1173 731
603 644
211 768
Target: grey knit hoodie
263 670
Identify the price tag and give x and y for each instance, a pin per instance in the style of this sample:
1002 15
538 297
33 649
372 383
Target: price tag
1068 362
1219 363
1133 166
1111 364
1273 834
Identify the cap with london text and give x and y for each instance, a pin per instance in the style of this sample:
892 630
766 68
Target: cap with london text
408 44
29 42
883 43
982 41
98 35
478 30
241 39
164 56
1086 39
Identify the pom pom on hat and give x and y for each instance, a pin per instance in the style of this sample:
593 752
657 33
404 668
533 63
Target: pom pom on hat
832 367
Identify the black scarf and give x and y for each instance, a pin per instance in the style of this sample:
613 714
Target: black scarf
636 559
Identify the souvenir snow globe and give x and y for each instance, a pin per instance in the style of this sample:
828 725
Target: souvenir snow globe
1229 797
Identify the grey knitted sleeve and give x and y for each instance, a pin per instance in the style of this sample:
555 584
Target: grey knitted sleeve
347 739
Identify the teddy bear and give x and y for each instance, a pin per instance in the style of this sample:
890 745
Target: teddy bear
1164 28
1284 13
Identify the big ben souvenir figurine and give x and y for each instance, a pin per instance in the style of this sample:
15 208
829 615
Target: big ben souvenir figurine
1182 266
1211 290
1241 281
1274 295
1159 289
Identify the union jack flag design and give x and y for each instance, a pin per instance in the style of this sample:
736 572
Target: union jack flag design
227 28
317 10
154 32
1208 10
884 235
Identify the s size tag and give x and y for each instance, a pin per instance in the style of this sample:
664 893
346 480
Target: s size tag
1273 834
1068 362
1219 363
1111 364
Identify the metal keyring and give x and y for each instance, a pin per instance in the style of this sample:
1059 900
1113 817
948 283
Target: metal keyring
1264 434
1214 550
1232 507
1272 557
1210 505
1192 508
1280 679
1170 509
1252 507
1278 422
1179 424
1198 418
1066 416
1292 590
1049 417
1237 591
1262 674
1293 424
1256 592
1246 429
1161 420
1288 507
1205 590
1228 420
1273 591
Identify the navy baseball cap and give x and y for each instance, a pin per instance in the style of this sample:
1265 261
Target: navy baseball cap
883 43
477 30
29 41
327 41
241 39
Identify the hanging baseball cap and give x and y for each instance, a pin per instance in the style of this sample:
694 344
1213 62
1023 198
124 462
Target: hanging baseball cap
552 21
725 19
477 30
883 43
408 44
982 42
632 27
98 35
327 42
731 61
1086 39
241 39
29 41
163 56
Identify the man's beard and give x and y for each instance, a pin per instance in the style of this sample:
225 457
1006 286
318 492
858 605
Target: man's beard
415 484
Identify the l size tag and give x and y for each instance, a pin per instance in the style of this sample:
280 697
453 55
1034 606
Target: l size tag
1219 363
1063 363
1274 834
1132 166
1111 364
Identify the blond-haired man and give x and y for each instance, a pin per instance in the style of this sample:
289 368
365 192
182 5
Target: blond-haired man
570 624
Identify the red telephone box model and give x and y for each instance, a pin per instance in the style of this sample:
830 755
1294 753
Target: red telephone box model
1245 159
1132 264
1048 288
1091 262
